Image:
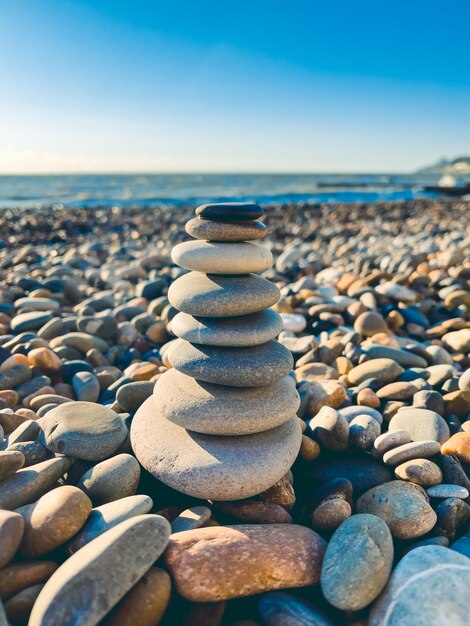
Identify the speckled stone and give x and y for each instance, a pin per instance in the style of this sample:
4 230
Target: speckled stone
448 491
420 471
427 588
246 330
210 230
230 211
403 507
237 367
222 296
206 566
211 467
357 563
422 424
222 258
117 559
222 410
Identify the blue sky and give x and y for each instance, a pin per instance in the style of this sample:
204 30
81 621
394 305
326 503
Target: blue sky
241 86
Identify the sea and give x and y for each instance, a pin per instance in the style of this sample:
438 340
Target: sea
149 190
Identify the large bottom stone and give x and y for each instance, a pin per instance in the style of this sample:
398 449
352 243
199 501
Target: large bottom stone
237 367
210 467
222 410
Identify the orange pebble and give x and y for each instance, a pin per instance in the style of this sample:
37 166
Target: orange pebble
367 397
458 444
44 359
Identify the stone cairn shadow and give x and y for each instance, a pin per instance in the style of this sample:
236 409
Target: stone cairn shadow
221 424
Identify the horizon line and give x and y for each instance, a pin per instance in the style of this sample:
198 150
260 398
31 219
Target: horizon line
211 173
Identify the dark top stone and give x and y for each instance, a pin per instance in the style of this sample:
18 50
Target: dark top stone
230 211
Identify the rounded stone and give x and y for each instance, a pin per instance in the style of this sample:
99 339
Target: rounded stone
330 514
389 440
412 450
51 521
422 424
222 258
427 588
278 608
211 467
11 533
106 516
458 444
18 576
363 431
111 479
397 391
210 230
18 608
403 507
131 395
31 320
230 211
420 471
241 331
83 430
86 386
222 296
236 367
370 323
145 603
10 462
222 410
358 561
206 563
117 559
385 370
363 472
330 429
191 518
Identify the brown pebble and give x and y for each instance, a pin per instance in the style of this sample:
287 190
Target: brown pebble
44 359
145 603
330 514
420 471
10 421
10 396
281 493
18 608
54 519
254 512
11 533
10 461
309 449
18 576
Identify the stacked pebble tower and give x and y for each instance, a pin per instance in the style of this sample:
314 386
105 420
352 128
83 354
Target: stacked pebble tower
222 424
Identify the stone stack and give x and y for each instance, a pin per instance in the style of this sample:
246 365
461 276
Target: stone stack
222 424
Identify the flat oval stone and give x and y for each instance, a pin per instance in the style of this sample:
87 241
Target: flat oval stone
244 330
106 516
358 561
351 412
222 410
11 533
117 560
254 366
211 467
210 230
222 296
230 211
10 462
404 358
389 440
385 370
420 471
29 483
31 320
422 424
402 506
83 430
111 479
435 575
412 450
222 258
18 576
51 521
448 491
206 566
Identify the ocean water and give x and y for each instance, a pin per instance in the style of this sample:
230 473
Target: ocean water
176 189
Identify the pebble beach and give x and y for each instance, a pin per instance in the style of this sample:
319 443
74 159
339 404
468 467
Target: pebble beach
268 430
